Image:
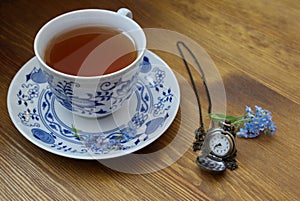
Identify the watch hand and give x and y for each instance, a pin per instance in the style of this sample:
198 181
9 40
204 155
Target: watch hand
217 145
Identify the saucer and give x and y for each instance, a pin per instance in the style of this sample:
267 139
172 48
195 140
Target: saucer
43 121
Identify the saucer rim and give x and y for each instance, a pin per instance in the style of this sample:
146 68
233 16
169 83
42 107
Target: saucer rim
89 155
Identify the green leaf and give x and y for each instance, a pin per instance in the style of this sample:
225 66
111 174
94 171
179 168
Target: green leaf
76 131
223 117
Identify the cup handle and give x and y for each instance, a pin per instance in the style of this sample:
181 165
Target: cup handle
126 12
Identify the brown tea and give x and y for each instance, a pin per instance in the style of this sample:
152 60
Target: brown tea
90 51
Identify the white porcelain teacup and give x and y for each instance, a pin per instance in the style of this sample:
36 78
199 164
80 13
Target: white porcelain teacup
93 96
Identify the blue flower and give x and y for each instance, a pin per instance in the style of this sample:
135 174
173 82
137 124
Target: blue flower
249 110
33 93
128 133
242 132
256 123
160 75
158 107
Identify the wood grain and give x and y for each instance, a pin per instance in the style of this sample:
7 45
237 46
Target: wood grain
255 46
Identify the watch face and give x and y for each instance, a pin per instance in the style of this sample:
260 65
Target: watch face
220 145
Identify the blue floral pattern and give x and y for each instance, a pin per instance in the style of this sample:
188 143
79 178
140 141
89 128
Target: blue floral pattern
154 104
28 94
107 98
30 118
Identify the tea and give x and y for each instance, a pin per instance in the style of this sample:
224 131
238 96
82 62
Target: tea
90 51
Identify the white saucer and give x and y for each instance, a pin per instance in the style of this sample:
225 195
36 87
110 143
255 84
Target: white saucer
44 122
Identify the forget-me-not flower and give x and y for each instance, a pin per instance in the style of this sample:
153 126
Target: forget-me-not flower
256 122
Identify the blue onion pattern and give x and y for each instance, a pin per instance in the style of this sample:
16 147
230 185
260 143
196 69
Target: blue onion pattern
36 75
107 98
145 66
43 135
40 114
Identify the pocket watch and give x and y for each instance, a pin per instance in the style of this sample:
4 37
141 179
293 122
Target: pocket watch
217 145
218 149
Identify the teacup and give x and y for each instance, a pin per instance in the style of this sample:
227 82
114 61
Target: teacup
93 96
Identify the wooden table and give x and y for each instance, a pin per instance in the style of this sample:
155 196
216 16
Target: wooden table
255 46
